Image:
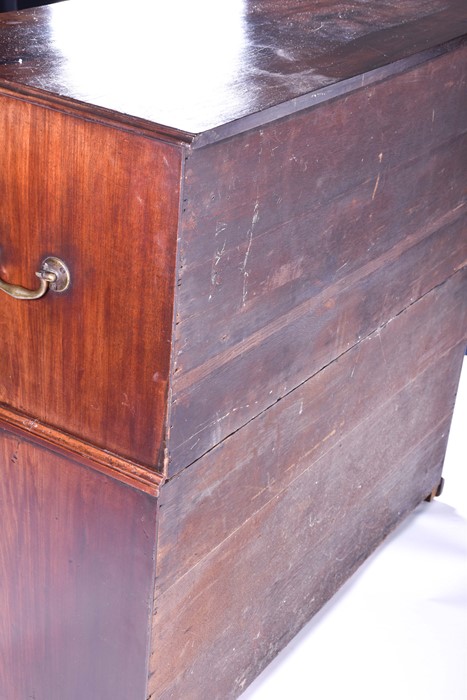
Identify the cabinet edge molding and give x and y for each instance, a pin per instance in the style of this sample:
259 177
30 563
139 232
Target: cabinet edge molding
135 475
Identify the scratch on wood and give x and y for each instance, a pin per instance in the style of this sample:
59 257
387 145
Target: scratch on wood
375 187
218 254
214 272
378 335
220 226
254 221
329 436
187 382
265 488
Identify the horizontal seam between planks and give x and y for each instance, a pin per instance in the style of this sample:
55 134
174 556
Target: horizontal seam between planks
375 331
188 381
426 438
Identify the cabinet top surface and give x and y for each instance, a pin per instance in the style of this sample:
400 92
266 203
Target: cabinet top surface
197 67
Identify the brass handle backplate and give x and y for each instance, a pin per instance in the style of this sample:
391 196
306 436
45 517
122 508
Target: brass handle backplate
53 275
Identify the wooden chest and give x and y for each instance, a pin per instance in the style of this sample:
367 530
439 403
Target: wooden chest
249 378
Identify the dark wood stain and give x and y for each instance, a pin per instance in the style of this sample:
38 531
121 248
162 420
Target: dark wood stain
248 607
268 54
330 508
318 257
202 505
265 326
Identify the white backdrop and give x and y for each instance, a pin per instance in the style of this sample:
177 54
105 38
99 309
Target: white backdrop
398 628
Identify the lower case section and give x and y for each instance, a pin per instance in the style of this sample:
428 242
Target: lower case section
253 538
76 579
285 510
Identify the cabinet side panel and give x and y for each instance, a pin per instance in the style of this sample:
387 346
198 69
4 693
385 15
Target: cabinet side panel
301 237
76 579
94 360
203 505
260 532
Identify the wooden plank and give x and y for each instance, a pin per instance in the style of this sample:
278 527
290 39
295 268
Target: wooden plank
326 244
232 611
302 162
228 663
203 505
76 579
247 316
272 363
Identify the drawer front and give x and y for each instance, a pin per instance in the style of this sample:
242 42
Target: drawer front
92 361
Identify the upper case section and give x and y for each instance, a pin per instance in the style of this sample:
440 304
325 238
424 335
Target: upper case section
93 361
194 68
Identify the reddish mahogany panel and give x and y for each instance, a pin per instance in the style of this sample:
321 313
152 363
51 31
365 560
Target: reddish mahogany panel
76 579
92 361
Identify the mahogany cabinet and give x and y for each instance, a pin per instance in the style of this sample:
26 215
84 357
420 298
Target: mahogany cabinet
233 311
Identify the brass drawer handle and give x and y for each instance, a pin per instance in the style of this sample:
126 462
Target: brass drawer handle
53 275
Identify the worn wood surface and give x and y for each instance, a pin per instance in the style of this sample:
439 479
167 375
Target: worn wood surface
268 54
306 235
93 361
76 579
201 506
268 253
253 541
226 636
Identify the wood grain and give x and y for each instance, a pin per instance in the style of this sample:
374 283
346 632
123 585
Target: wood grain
76 579
269 55
94 361
202 505
64 444
238 621
268 308
318 491
303 236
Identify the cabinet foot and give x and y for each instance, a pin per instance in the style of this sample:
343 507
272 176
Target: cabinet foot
437 491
